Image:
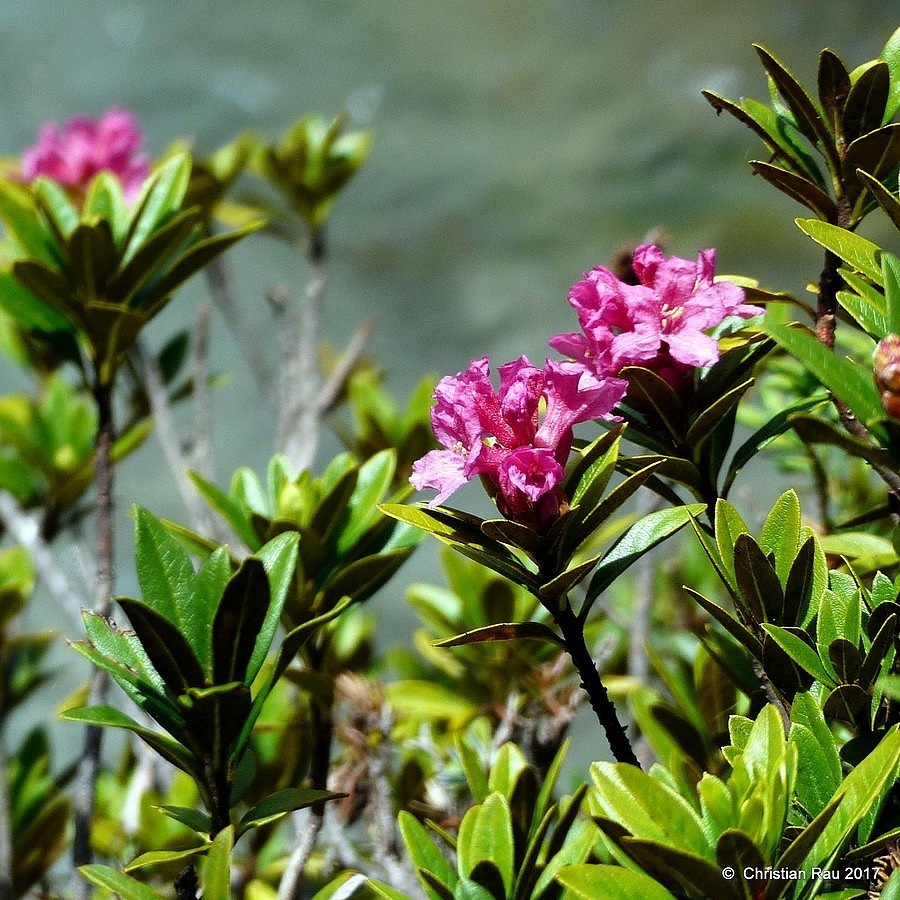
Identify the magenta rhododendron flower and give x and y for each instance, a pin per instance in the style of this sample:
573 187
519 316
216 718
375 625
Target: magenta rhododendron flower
74 154
659 324
517 438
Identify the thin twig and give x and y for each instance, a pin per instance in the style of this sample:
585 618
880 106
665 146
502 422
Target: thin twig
6 844
298 413
176 460
89 764
220 288
202 448
292 880
25 528
337 380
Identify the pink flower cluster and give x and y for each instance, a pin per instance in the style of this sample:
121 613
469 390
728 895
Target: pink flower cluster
517 438
659 323
83 147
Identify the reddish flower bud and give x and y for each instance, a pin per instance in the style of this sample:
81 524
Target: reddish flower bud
886 373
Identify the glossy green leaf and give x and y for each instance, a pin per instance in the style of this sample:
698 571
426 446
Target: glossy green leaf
160 196
165 646
861 254
279 558
777 425
850 382
57 206
781 532
603 882
217 870
282 802
877 153
865 106
641 537
885 199
485 833
425 854
193 818
891 55
239 618
799 651
123 885
807 117
166 576
799 188
862 794
633 799
503 631
592 468
27 229
27 309
735 628
231 510
375 477
165 857
109 717
891 269
728 527
872 320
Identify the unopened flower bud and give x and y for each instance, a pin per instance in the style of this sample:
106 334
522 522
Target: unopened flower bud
886 373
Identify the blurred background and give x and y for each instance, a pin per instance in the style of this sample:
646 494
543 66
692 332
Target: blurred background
516 145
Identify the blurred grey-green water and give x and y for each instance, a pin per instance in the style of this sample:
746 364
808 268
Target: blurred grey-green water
516 144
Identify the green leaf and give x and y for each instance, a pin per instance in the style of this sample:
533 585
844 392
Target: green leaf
165 746
885 199
781 532
238 621
861 254
123 885
503 631
799 188
279 559
375 477
165 857
230 509
834 87
602 882
850 382
27 309
813 430
192 818
166 577
862 794
57 206
633 799
806 115
425 854
891 270
800 652
641 537
891 55
485 833
760 590
164 645
280 803
865 106
160 196
217 871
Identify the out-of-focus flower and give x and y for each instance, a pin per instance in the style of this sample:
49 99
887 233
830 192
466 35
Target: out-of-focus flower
74 154
517 438
886 372
659 323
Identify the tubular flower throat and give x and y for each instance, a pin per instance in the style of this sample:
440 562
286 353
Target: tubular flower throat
517 439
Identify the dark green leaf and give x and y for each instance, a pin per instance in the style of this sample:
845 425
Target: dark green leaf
834 86
654 396
886 200
757 582
799 651
729 623
799 585
864 109
846 660
641 537
165 746
776 426
282 802
877 153
848 703
799 188
503 631
239 618
165 646
875 657
806 115
711 417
